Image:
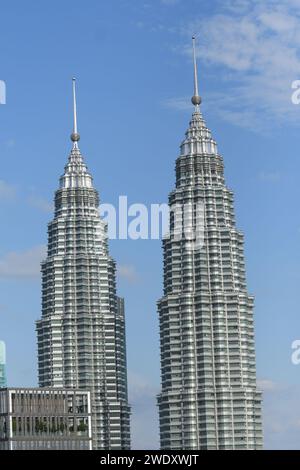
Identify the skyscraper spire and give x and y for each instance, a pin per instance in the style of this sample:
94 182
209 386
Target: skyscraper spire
196 99
75 136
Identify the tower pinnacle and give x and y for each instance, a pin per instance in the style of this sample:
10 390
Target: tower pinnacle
196 99
74 136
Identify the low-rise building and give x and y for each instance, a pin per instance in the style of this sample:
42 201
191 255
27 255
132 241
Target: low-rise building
45 419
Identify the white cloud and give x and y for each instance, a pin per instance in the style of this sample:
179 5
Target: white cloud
127 272
20 265
257 44
278 22
7 191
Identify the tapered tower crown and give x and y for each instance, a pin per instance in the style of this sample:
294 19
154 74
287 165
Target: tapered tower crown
76 174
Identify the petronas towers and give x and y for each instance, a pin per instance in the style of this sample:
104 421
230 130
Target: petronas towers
209 398
81 335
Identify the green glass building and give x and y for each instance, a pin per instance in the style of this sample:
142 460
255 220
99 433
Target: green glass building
2 364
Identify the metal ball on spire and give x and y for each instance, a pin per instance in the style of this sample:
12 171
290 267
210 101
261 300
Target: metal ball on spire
75 137
196 100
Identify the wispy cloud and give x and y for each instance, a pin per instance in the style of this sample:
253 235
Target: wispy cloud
257 44
10 192
269 176
180 103
40 203
281 415
127 272
142 396
22 265
10 143
7 191
267 385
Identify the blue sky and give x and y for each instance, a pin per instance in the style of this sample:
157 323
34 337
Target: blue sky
133 66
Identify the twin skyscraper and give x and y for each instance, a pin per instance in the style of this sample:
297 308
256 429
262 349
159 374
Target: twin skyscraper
81 335
209 398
